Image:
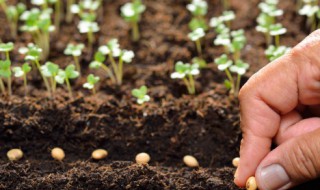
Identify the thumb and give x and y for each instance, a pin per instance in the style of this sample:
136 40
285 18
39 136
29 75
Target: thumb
292 163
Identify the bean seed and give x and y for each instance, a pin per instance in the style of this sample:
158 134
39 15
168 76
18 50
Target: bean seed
14 154
58 154
251 184
235 162
99 154
190 161
142 158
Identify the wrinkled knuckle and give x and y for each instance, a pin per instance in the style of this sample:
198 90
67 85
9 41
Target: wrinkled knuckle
303 161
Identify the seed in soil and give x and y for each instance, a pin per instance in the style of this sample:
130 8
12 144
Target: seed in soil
142 158
99 154
57 154
235 162
251 183
14 154
190 161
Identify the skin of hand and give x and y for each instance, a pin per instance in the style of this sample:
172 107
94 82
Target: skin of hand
280 104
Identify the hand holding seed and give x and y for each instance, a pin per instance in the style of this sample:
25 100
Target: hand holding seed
280 104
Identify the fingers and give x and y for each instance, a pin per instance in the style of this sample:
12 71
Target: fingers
296 127
262 100
291 163
274 91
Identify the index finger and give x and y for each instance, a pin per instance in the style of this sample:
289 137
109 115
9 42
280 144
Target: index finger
273 91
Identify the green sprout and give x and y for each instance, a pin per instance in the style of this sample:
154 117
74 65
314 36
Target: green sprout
91 82
226 65
196 36
38 24
12 14
87 9
22 72
50 70
185 71
199 9
141 94
112 50
226 4
240 69
267 21
57 6
237 43
5 66
33 53
131 12
310 9
274 52
75 51
64 76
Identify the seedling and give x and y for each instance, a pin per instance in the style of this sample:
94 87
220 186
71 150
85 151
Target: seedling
185 71
237 44
22 72
199 61
64 76
112 50
86 9
274 52
310 9
141 94
75 51
196 36
38 24
5 66
131 12
51 70
69 15
199 9
143 158
240 69
57 6
267 21
33 53
91 82
12 14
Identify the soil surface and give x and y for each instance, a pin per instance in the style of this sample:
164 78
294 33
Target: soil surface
170 126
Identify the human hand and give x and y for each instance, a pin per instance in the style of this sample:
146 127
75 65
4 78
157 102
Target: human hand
273 103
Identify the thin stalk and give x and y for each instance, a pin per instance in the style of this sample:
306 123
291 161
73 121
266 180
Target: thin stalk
3 89
7 55
52 84
93 90
106 68
314 23
277 40
69 88
25 84
230 79
78 67
57 15
236 55
226 4
69 16
43 77
186 82
199 49
9 86
135 31
268 38
237 86
90 40
192 86
114 66
120 70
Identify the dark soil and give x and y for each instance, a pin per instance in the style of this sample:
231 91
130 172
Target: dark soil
170 126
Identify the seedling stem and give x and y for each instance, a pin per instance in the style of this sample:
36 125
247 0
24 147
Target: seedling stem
135 31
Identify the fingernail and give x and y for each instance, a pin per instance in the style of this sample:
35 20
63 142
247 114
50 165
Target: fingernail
273 177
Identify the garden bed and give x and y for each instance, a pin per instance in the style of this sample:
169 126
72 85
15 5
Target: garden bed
168 127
